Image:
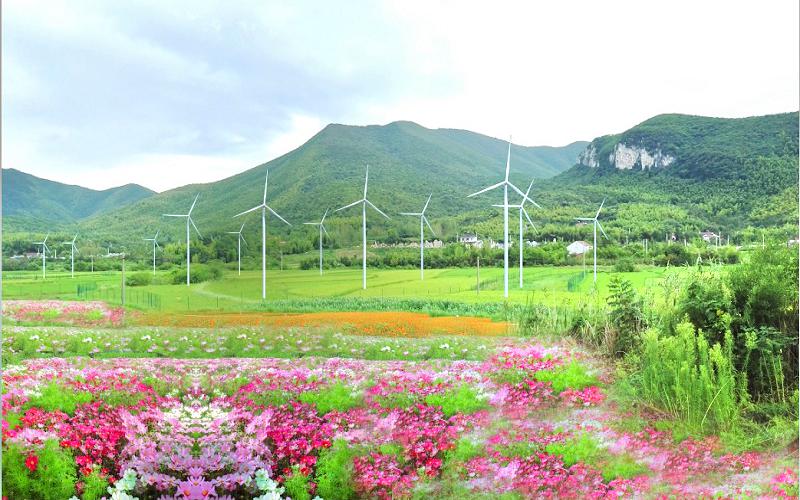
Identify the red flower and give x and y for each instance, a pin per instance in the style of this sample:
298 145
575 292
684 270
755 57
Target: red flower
32 462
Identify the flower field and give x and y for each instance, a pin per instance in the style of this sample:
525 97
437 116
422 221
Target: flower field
398 418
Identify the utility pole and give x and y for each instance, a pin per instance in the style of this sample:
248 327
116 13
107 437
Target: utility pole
123 279
478 277
92 263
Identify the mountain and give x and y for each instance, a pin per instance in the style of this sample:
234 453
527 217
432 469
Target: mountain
29 202
407 162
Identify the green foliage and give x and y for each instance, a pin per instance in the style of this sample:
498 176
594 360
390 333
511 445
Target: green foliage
396 400
464 399
297 485
336 396
707 302
626 316
334 472
586 449
465 450
141 279
54 397
571 376
53 479
95 487
200 273
689 379
624 265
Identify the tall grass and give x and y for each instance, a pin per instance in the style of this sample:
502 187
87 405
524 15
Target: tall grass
689 379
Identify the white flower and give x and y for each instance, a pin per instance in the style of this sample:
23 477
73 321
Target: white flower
34 337
386 348
147 337
87 340
444 346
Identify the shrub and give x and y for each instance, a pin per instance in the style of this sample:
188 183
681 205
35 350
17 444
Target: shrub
626 316
297 485
462 400
139 279
53 475
200 273
337 397
571 376
708 303
334 473
689 379
624 266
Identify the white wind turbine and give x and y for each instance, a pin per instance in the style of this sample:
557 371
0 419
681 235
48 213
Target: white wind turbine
422 220
522 212
188 241
45 248
239 240
72 251
505 184
322 229
364 202
596 224
154 239
264 207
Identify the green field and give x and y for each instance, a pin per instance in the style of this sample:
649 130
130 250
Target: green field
546 285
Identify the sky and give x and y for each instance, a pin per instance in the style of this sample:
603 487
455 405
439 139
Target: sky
164 94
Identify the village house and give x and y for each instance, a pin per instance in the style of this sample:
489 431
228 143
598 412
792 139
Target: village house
578 248
709 236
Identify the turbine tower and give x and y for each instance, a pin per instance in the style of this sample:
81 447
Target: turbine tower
45 248
154 239
522 212
264 207
188 241
322 229
422 220
364 202
505 184
596 224
239 240
72 251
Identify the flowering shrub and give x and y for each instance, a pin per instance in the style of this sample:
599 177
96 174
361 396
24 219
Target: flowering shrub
268 428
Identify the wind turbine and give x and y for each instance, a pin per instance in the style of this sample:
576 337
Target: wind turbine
264 207
322 229
239 240
422 219
44 254
154 239
522 212
596 224
505 185
364 202
188 241
72 251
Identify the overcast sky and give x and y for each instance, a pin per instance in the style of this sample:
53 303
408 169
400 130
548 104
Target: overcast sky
164 93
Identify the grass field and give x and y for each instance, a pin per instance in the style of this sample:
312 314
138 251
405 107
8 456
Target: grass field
546 285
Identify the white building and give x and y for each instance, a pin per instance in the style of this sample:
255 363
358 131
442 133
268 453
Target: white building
709 236
468 239
532 243
499 244
578 248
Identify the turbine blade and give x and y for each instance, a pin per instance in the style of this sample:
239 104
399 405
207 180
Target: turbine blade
156 236
195 227
601 207
173 215
529 189
248 211
311 223
350 205
193 204
241 228
324 215
377 209
525 212
276 215
524 196
426 203
584 218
366 181
324 230
429 225
601 228
244 240
266 180
486 189
157 245
410 213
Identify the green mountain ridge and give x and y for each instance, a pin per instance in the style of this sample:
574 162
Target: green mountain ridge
31 202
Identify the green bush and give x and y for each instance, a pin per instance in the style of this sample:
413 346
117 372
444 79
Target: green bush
336 396
624 266
571 376
55 397
586 449
95 487
200 273
53 479
139 279
462 400
297 485
708 303
692 381
334 473
626 316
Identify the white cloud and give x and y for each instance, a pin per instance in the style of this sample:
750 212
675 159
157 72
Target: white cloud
165 93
